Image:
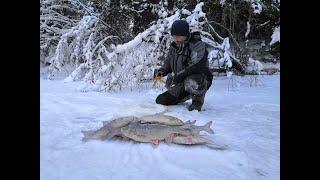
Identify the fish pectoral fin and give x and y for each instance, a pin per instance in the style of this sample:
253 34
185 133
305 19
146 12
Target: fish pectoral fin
169 138
189 139
154 143
154 146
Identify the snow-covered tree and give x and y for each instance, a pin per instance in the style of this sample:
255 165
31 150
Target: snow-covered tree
107 44
130 64
56 17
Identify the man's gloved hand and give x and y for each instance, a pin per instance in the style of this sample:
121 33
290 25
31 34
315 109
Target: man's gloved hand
157 72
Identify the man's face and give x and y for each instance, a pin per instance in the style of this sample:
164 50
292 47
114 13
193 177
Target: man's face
179 39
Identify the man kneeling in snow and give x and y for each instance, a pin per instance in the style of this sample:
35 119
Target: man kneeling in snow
188 66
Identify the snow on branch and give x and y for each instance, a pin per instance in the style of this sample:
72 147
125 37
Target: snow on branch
275 36
107 67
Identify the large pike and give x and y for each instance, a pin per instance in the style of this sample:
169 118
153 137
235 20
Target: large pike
151 129
153 133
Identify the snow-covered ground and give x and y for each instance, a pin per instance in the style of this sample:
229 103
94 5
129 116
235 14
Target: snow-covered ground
246 119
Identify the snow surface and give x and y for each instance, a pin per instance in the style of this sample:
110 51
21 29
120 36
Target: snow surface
246 119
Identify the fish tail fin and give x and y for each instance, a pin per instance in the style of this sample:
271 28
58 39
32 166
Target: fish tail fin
207 128
190 122
87 135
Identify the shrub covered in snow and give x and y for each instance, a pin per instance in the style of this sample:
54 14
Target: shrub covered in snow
254 66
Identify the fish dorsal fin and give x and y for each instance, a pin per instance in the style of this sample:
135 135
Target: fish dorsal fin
190 122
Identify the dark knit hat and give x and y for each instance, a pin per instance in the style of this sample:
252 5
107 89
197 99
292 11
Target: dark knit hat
180 28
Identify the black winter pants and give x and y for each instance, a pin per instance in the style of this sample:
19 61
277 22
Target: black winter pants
194 86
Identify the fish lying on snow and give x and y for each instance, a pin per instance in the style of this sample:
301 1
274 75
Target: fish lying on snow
112 128
152 129
153 133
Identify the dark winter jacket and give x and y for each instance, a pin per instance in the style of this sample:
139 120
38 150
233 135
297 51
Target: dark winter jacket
192 58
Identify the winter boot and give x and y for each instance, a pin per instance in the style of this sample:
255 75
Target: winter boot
167 99
197 102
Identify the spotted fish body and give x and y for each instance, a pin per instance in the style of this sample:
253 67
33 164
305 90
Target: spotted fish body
162 119
148 132
151 128
190 140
